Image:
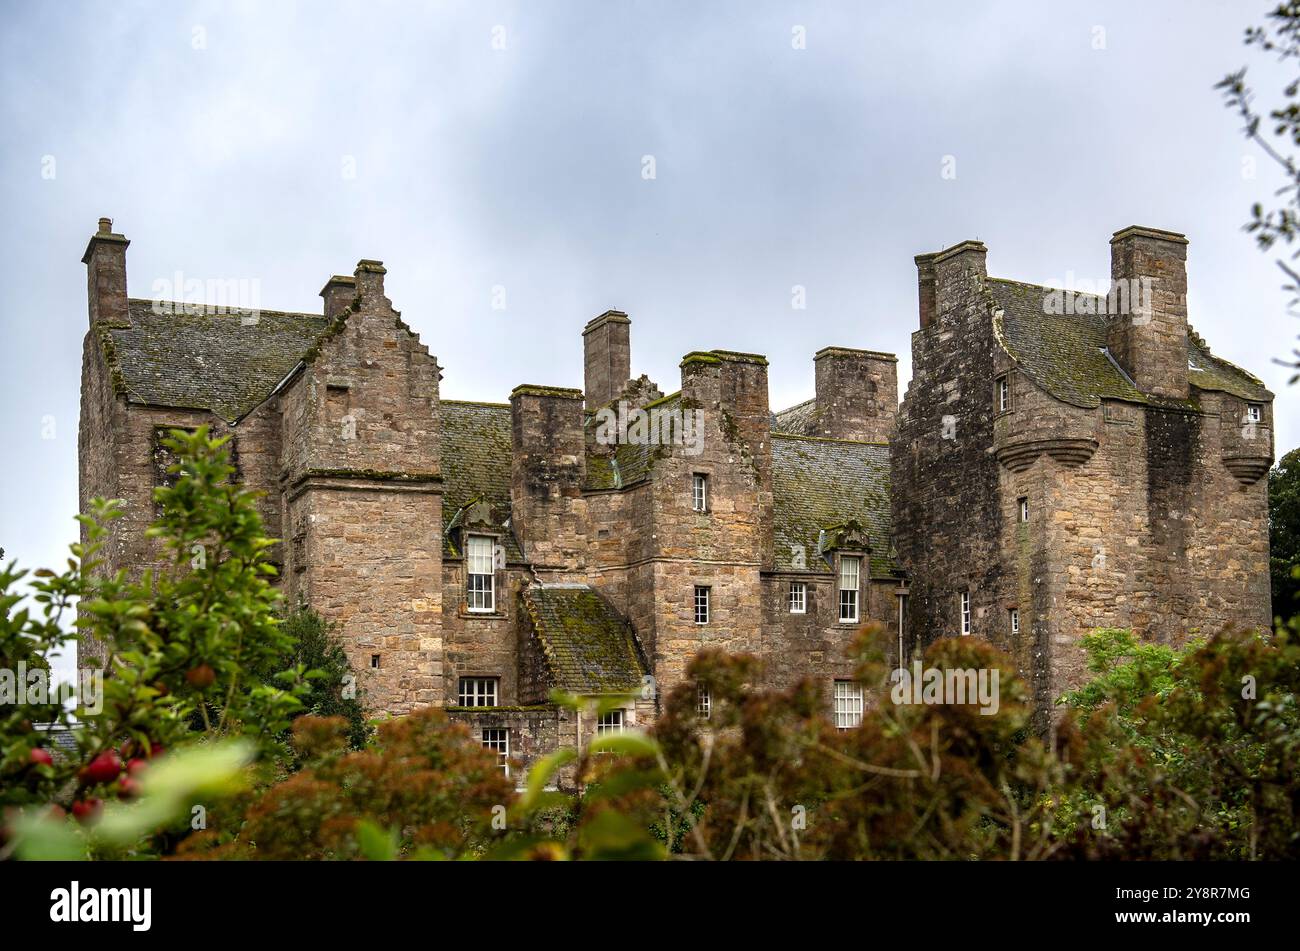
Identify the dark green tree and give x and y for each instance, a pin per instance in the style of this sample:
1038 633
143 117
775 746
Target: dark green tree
336 693
1284 532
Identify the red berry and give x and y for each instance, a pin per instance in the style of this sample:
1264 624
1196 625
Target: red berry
41 757
128 788
104 768
201 676
86 809
136 766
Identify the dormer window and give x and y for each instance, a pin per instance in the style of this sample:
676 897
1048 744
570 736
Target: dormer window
1254 412
480 586
1004 394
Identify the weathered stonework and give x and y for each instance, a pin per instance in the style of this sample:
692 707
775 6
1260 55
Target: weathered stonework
1145 507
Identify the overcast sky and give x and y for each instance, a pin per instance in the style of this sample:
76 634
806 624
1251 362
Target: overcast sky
479 148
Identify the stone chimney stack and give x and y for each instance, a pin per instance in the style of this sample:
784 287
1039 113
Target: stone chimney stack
1148 309
925 287
547 469
607 357
105 261
338 292
369 277
944 278
857 394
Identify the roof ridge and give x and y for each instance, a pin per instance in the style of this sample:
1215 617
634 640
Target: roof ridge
475 403
218 310
851 442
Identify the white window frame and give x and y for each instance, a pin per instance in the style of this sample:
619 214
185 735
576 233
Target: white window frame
1004 394
797 599
703 702
848 704
1254 412
850 588
478 691
480 584
499 741
1015 620
965 613
703 604
611 721
699 492
1022 506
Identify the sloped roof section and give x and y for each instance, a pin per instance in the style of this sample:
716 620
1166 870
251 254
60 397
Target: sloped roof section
819 485
220 361
588 647
631 463
800 419
1065 353
476 467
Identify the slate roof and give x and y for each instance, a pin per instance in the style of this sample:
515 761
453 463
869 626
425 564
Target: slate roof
1063 353
588 647
630 463
819 484
476 466
210 360
800 419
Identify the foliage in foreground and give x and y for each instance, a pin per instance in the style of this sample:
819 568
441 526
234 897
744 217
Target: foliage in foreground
1167 753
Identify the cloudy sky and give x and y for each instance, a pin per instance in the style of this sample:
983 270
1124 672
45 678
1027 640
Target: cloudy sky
486 148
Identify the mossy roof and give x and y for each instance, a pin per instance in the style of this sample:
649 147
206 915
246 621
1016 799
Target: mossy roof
476 466
217 361
800 419
1065 353
630 464
588 647
820 484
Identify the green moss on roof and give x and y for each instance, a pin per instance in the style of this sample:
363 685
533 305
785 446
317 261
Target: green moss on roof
475 452
1065 353
820 485
210 360
529 389
588 647
630 464
699 357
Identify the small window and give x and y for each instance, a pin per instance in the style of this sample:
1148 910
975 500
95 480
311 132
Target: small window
703 702
700 492
1023 505
1015 621
965 613
701 604
850 573
478 691
374 661
611 722
798 597
848 704
480 585
1004 394
498 740
1254 412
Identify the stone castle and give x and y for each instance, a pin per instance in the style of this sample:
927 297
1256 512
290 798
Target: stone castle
1051 469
